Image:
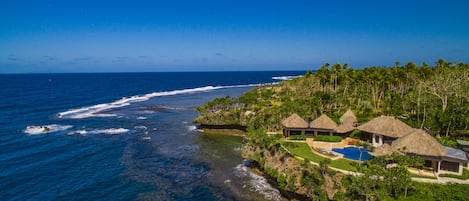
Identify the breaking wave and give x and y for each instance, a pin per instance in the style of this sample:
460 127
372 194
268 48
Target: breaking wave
96 110
258 183
37 130
191 128
286 77
109 131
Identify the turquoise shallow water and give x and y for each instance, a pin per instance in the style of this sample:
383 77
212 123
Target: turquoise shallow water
106 147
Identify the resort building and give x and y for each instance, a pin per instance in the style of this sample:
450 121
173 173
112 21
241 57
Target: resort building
384 129
294 125
421 144
389 135
454 161
323 125
438 158
347 123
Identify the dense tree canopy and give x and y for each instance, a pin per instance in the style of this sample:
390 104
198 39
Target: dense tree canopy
431 97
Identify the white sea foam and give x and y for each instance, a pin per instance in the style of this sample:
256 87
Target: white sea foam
141 127
191 128
146 138
142 118
94 111
286 77
258 183
79 132
37 130
109 131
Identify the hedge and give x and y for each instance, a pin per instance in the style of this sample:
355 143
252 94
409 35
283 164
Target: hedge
297 137
328 138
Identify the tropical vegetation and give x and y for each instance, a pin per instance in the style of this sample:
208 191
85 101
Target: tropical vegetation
435 98
432 97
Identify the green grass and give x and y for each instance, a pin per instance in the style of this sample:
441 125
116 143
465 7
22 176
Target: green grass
464 176
328 138
343 164
421 176
302 150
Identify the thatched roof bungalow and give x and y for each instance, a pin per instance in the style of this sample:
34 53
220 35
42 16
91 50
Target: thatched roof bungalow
419 143
294 123
323 124
438 157
348 118
382 150
344 128
385 129
348 121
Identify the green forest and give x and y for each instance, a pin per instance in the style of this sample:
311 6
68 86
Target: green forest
433 97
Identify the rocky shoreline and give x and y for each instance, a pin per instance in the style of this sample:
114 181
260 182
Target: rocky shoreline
236 130
289 175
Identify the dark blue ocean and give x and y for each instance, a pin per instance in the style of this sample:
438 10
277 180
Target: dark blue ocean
122 136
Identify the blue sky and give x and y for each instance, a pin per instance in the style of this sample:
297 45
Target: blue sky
133 36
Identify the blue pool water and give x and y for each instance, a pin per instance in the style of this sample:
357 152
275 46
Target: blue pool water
354 153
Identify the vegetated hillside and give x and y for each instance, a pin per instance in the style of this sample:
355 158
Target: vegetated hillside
432 97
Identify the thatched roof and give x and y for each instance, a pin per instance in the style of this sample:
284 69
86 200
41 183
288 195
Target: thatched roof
419 142
348 118
294 121
345 128
323 122
382 150
387 126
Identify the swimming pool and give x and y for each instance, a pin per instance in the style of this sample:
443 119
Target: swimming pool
354 153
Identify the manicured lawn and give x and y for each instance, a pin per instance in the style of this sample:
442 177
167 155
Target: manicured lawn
343 164
302 150
421 176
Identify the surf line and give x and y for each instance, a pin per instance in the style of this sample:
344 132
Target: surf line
93 111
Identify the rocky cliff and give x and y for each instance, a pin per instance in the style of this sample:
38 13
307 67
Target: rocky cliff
293 175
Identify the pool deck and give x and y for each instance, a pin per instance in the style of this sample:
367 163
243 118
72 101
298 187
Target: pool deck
327 145
316 147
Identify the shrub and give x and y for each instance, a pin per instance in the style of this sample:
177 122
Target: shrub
364 144
297 137
328 138
355 134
